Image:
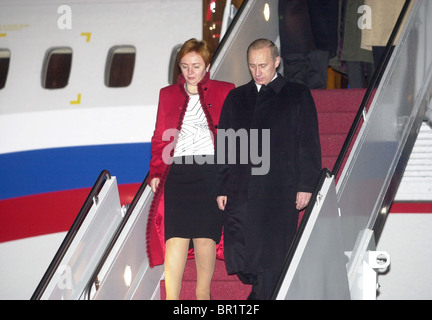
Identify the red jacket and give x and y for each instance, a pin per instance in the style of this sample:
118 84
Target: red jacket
173 101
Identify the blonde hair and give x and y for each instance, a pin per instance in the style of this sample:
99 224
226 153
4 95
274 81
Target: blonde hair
200 47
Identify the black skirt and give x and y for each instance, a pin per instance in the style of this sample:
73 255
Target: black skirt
191 210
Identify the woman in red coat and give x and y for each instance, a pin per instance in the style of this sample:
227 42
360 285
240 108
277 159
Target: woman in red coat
182 175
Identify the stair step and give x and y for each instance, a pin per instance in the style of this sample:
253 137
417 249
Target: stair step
331 144
223 286
335 122
338 100
220 290
336 110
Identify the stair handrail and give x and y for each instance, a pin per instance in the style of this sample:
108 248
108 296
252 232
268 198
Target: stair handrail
87 205
93 279
70 236
140 191
229 30
325 173
374 81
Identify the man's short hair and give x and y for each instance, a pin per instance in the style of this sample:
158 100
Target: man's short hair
264 43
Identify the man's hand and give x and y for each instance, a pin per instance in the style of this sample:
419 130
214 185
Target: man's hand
302 200
221 201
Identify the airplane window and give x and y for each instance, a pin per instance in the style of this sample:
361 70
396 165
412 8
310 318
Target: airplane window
56 68
120 66
4 66
174 69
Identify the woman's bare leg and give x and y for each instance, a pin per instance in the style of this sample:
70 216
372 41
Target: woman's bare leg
205 258
176 253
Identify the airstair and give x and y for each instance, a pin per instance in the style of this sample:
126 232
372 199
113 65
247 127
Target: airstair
333 256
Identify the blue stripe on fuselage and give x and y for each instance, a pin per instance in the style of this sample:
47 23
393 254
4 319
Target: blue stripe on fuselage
48 170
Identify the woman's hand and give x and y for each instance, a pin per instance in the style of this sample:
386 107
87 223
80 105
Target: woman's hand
221 201
154 183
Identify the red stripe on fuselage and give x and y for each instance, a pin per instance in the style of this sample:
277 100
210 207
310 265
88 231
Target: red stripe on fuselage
411 207
54 212
47 213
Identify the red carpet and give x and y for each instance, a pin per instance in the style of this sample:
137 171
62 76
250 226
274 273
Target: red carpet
336 110
223 287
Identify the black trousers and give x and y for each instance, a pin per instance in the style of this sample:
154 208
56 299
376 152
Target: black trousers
263 284
307 68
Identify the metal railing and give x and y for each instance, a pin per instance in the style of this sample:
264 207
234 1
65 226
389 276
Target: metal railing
70 236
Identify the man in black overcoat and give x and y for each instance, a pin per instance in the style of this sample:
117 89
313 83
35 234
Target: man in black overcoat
262 200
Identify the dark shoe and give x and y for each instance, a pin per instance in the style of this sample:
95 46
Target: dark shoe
252 296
